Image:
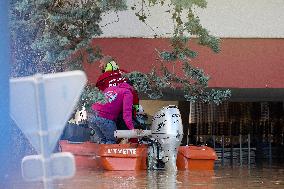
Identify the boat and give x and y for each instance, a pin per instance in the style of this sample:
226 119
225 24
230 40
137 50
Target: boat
158 148
119 157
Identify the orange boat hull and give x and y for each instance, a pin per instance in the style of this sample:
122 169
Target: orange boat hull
122 156
107 156
196 158
134 156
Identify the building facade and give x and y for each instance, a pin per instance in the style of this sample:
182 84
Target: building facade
251 64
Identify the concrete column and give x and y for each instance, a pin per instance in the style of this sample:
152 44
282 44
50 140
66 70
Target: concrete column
249 149
241 150
184 108
223 150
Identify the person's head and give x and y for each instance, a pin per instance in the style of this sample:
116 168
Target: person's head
108 64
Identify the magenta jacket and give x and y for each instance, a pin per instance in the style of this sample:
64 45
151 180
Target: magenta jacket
120 99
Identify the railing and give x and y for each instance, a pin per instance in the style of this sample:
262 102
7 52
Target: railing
236 156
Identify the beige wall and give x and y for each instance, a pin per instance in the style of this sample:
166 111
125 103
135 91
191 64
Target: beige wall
223 18
152 106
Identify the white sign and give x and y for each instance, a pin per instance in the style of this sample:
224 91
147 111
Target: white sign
45 100
62 165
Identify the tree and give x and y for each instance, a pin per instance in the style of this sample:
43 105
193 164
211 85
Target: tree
53 30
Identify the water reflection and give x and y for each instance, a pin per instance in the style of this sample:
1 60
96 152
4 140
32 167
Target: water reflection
180 179
238 178
196 179
161 179
107 180
257 177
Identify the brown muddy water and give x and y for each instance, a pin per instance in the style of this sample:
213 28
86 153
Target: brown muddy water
270 177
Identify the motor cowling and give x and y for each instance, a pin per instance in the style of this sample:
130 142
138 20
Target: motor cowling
163 139
167 131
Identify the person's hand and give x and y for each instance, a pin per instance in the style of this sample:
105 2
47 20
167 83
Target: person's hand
123 141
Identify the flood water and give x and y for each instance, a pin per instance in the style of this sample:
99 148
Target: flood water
271 177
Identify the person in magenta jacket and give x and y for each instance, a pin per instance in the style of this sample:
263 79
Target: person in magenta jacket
119 99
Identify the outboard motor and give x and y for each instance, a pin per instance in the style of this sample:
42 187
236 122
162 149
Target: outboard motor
167 133
163 139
